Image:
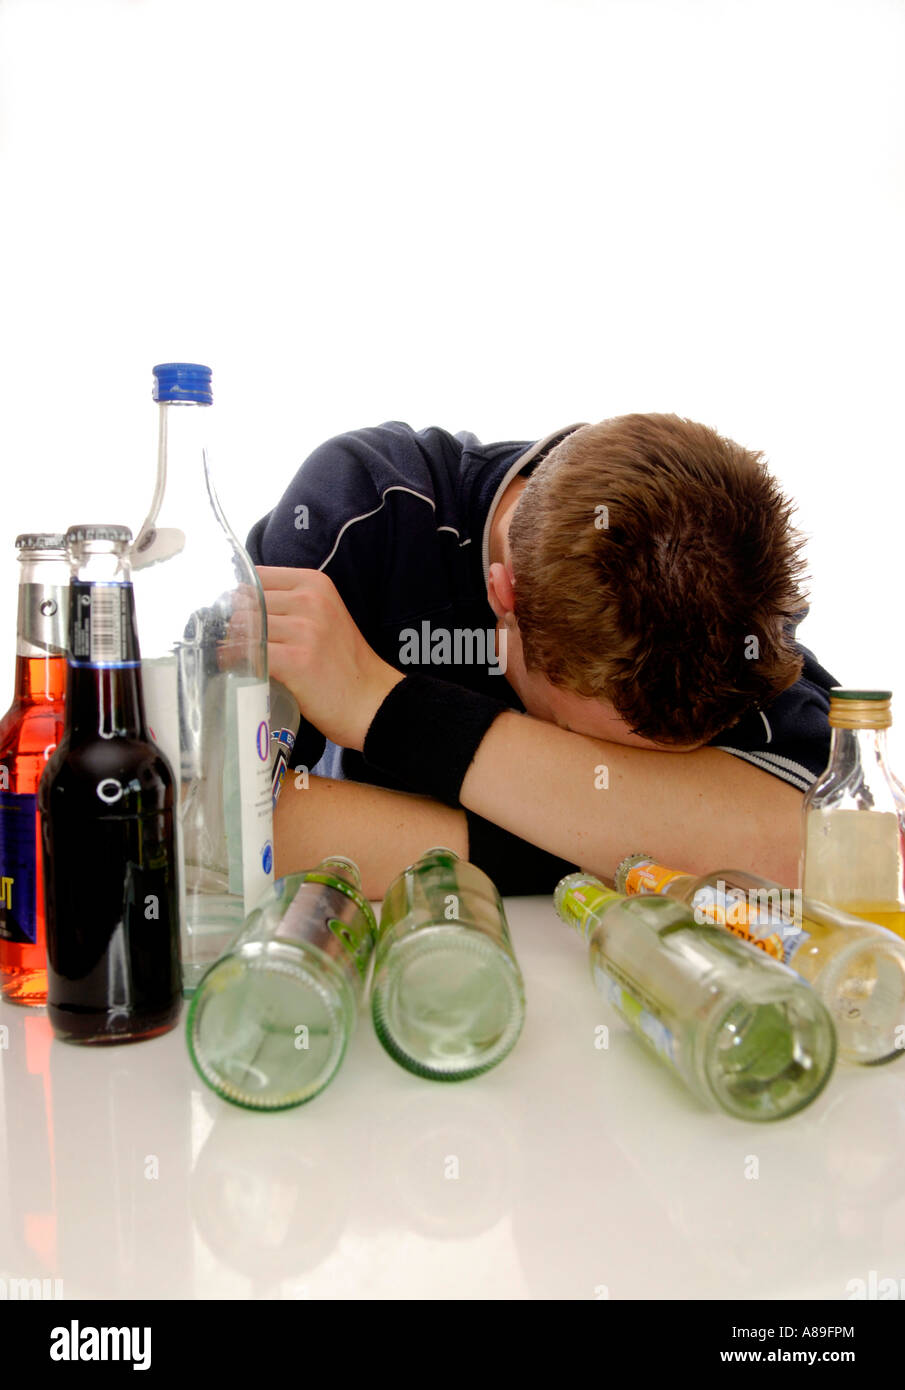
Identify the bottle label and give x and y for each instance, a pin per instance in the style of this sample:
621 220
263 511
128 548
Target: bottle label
762 916
648 877
623 997
282 742
309 920
18 867
101 625
42 624
255 795
585 899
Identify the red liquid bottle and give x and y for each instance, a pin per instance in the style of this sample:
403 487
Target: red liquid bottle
29 732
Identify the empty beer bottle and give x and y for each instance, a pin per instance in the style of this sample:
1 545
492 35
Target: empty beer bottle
742 1031
857 968
29 732
106 801
854 816
203 632
447 996
269 1023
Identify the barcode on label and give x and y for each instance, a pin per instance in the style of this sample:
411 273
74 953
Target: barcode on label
106 624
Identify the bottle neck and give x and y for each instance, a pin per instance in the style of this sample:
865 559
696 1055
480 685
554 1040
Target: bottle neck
184 497
640 875
42 628
103 693
581 901
851 749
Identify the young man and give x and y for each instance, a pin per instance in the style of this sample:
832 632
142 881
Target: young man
542 655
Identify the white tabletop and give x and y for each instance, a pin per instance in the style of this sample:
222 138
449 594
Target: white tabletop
570 1171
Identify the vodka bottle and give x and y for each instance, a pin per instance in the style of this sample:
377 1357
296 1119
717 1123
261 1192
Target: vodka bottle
203 634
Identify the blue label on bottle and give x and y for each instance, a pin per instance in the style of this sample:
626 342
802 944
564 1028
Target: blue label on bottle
282 742
18 868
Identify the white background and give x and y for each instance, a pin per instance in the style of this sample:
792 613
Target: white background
486 215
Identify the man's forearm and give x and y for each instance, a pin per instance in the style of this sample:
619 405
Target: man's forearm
381 830
595 802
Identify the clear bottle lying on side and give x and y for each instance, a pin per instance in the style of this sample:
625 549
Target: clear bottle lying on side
447 997
743 1032
270 1021
856 967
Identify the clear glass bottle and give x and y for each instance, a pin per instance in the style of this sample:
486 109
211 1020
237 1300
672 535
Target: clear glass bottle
29 732
269 1023
203 632
854 816
857 968
742 1031
447 997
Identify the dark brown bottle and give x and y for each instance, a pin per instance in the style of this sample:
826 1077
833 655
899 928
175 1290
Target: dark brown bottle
106 802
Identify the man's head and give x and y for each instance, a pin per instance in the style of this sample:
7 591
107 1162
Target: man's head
649 583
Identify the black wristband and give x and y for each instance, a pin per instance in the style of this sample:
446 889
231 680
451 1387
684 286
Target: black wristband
516 866
427 732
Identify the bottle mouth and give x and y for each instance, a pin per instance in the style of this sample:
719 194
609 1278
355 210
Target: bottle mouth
186 382
860 709
864 989
447 1002
268 1029
767 1059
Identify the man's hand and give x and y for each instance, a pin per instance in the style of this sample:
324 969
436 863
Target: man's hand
315 649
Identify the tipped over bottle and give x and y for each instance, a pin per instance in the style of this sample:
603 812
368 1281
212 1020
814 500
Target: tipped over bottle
742 1031
857 967
270 1022
447 998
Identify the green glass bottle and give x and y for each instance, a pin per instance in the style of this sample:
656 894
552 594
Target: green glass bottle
270 1021
742 1031
447 997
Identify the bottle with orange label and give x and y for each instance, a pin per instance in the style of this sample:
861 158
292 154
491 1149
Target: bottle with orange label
854 815
856 967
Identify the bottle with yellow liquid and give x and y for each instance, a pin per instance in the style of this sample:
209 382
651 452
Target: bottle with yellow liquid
856 967
854 816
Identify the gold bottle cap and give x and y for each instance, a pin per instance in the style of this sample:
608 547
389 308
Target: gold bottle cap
860 709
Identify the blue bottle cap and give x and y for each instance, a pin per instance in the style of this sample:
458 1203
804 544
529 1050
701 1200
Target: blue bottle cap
182 381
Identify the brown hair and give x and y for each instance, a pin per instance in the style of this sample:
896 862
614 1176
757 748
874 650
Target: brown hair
656 568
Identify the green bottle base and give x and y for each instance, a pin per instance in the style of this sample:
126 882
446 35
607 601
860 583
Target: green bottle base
447 1003
268 1028
769 1060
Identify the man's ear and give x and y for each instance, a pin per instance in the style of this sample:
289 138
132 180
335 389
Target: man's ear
500 590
